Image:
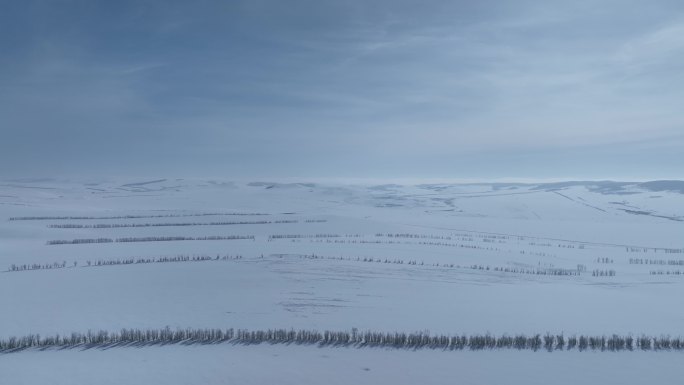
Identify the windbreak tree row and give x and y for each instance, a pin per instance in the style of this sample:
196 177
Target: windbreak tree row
353 338
500 269
65 218
182 224
644 261
150 239
122 261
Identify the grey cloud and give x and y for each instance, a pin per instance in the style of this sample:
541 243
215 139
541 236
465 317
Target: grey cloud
333 87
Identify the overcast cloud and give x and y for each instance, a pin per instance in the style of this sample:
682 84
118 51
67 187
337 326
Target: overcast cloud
390 88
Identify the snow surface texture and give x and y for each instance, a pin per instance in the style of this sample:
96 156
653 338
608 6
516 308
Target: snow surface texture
579 258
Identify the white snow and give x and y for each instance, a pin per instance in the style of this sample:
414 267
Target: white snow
276 283
263 364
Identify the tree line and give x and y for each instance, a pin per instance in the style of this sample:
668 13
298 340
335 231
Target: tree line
124 261
172 259
602 273
644 261
515 270
353 338
604 260
49 218
666 272
149 239
122 225
306 236
37 266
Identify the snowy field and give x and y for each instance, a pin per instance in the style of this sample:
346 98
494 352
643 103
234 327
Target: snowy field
574 258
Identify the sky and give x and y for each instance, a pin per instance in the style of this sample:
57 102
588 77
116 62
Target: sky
331 88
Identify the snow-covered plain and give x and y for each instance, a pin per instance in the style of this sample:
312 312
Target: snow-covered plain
578 258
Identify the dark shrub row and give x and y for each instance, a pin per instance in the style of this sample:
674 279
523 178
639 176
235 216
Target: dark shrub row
642 261
353 338
602 273
37 266
413 236
514 270
177 258
666 272
127 216
124 261
121 225
165 239
80 241
305 236
150 239
423 243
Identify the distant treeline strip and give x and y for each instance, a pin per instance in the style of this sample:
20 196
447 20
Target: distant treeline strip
309 236
148 239
125 261
353 338
120 225
47 218
499 269
644 261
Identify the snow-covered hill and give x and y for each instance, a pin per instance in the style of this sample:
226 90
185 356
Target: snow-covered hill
591 258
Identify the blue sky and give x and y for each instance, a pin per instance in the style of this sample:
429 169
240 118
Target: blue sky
367 89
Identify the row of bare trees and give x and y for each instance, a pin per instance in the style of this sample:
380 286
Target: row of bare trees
501 269
353 338
123 261
644 261
52 218
182 224
150 239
